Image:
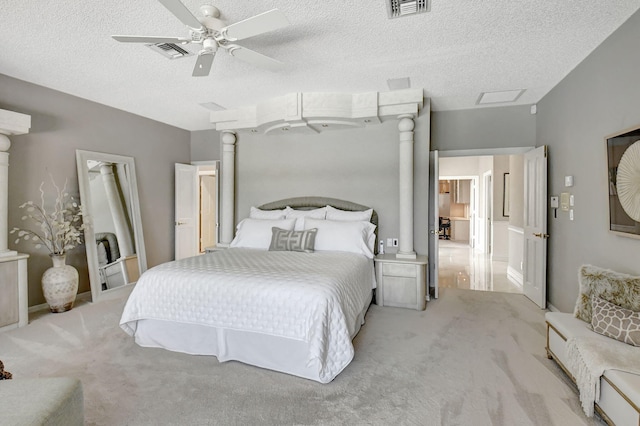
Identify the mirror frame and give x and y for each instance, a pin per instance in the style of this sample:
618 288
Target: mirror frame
89 233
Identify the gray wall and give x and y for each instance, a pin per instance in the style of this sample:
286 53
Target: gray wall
483 128
359 165
601 96
61 124
205 145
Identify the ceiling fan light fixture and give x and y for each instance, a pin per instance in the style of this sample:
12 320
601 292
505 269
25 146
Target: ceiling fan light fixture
211 33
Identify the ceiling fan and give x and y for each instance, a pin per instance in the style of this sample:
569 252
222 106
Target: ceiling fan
211 33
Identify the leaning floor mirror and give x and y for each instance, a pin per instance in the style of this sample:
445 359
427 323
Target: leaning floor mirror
113 232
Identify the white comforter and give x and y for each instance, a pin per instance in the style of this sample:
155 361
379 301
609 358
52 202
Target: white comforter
312 297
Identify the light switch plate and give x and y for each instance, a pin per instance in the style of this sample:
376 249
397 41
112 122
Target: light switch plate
564 201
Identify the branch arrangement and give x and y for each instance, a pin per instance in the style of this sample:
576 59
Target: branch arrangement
60 229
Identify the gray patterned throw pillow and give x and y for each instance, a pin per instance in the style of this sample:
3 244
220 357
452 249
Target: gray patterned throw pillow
283 240
613 321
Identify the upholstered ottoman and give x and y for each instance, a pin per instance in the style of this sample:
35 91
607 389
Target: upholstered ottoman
46 401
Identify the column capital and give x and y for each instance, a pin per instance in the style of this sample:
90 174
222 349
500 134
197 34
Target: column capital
406 123
5 143
229 138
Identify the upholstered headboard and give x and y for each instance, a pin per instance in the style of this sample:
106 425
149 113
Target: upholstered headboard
110 242
309 203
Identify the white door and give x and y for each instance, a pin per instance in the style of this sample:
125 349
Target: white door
535 226
434 222
186 211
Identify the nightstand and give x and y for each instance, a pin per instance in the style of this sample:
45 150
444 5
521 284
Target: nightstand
401 282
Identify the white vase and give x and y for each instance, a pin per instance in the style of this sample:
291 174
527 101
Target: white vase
60 284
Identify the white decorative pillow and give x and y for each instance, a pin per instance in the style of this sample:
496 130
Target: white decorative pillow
613 321
256 213
334 235
283 240
256 233
337 214
300 215
102 255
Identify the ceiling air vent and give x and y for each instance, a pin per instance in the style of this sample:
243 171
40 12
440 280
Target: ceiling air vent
169 50
399 8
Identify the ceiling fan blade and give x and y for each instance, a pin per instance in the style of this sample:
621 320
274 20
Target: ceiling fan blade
254 57
182 13
265 22
203 65
149 39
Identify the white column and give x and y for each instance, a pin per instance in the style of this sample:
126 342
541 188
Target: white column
123 232
228 187
5 144
405 243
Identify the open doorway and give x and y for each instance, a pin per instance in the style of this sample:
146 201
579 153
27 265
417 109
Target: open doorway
208 207
477 254
457 202
197 200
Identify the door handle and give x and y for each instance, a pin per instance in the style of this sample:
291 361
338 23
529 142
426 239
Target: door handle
181 223
540 235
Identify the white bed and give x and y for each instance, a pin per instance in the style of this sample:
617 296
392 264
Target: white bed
288 311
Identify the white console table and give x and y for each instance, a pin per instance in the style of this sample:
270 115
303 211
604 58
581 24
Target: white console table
14 310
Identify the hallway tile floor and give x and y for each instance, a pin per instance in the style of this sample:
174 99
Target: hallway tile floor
460 267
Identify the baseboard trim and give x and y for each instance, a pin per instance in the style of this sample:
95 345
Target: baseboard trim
515 276
85 296
552 308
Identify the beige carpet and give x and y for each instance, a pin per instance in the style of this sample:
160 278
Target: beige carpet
472 358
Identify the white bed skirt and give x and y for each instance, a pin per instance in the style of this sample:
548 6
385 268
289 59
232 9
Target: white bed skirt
262 350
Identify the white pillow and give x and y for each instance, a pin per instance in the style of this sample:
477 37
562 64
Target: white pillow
102 255
300 215
256 233
337 214
351 236
256 213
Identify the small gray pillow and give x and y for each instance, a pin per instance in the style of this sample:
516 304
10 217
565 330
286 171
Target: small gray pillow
613 321
283 240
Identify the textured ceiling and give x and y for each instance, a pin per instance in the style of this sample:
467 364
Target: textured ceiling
456 51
